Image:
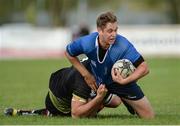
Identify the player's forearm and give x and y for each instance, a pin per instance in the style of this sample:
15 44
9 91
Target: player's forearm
141 71
76 63
90 80
88 109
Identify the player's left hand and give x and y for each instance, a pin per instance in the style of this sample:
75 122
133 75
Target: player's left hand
101 91
117 77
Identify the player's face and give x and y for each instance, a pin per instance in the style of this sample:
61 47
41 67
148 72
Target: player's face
108 34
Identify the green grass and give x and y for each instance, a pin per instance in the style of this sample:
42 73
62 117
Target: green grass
24 84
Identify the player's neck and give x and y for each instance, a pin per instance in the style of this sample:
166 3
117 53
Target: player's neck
103 44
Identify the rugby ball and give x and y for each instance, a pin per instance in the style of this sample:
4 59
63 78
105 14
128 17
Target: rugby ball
124 67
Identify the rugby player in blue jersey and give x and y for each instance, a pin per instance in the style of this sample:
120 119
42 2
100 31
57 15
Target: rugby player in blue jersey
104 48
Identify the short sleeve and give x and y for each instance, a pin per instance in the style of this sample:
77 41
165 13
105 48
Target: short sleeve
132 54
75 48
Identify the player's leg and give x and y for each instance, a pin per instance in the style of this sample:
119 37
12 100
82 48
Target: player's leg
129 107
142 107
14 112
112 101
133 98
52 109
121 91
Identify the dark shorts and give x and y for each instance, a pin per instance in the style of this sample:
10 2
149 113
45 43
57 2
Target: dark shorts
50 107
130 91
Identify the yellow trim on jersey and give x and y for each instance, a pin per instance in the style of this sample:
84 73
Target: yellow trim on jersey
75 97
14 112
59 104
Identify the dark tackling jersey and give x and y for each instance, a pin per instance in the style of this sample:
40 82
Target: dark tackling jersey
63 84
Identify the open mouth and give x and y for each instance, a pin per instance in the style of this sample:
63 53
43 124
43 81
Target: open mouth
112 39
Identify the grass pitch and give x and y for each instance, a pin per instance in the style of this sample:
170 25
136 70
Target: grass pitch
24 84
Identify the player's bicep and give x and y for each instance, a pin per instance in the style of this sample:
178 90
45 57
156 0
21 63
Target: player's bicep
77 102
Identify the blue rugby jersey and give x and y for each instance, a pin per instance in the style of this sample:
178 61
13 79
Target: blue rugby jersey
88 45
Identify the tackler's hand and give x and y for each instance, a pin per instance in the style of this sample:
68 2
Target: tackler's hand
101 91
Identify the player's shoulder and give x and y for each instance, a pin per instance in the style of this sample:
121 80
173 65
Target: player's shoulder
120 46
89 38
88 42
120 38
122 41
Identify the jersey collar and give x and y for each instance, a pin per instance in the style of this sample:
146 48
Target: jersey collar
97 49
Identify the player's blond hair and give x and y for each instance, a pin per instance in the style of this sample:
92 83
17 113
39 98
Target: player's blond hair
104 18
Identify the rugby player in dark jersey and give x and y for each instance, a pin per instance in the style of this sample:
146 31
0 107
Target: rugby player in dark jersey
69 95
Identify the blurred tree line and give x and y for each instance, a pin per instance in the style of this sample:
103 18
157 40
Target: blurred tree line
173 8
58 9
55 8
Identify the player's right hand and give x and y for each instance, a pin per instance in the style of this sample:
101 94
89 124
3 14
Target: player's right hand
102 90
117 77
90 80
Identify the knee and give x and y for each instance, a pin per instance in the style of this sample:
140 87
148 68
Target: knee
150 114
115 102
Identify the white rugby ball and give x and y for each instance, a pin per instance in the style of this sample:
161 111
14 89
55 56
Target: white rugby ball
124 67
